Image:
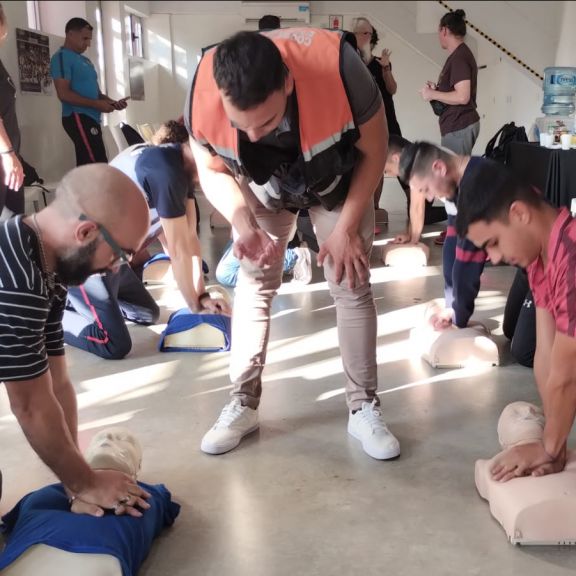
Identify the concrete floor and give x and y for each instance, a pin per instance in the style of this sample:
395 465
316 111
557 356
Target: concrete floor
300 497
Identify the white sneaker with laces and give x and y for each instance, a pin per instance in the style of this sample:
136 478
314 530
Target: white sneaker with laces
302 271
368 426
235 422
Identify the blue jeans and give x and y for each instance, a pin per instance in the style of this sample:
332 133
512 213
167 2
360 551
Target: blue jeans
229 266
94 319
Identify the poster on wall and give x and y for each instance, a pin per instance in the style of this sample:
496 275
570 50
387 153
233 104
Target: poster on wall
33 62
136 72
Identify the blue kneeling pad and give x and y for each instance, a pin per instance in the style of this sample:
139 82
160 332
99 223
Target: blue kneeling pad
190 332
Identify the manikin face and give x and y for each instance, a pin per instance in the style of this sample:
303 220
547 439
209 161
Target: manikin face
520 423
437 183
79 40
115 448
262 119
508 241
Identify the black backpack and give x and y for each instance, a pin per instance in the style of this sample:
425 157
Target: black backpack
498 147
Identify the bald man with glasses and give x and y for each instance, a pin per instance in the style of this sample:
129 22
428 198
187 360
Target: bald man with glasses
98 218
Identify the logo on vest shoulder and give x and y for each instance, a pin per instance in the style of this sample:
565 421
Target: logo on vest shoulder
94 131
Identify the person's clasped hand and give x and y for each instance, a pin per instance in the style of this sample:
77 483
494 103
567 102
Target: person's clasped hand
427 92
215 305
111 490
442 319
520 461
402 239
258 247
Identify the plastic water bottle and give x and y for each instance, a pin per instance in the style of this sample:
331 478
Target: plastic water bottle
559 90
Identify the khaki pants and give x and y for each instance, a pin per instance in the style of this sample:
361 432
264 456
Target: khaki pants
355 312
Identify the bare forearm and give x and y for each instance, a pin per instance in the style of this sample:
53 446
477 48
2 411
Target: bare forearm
559 410
389 81
71 97
224 193
372 150
187 269
5 143
417 210
48 433
66 397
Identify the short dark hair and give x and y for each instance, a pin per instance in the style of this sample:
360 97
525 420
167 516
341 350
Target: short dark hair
487 193
417 159
248 67
76 24
455 22
171 132
397 144
269 22
374 38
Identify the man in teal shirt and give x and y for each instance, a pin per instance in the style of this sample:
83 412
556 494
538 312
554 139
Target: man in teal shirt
77 87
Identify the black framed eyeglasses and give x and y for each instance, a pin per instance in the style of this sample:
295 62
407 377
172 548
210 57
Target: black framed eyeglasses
122 254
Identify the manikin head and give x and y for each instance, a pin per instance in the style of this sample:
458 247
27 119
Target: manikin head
396 145
500 213
430 170
254 83
366 38
97 221
452 29
78 35
520 423
115 448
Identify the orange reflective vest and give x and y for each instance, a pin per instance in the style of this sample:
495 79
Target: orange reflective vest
327 128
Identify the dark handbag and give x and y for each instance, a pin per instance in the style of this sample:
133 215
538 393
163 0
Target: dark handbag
498 148
438 107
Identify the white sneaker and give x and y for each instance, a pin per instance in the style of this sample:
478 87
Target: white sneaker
302 271
235 422
368 426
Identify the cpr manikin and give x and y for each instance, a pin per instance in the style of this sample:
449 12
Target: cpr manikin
532 510
114 449
405 255
453 347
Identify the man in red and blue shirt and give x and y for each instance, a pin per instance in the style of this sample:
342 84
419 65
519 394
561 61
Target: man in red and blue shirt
513 223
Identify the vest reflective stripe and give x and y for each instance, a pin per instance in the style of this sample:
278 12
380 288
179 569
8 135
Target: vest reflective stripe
313 58
321 146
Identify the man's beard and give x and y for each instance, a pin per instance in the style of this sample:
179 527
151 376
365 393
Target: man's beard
74 268
366 53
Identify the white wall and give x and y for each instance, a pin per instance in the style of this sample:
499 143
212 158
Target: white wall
44 142
506 92
55 13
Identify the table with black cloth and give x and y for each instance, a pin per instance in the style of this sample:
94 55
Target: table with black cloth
552 171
